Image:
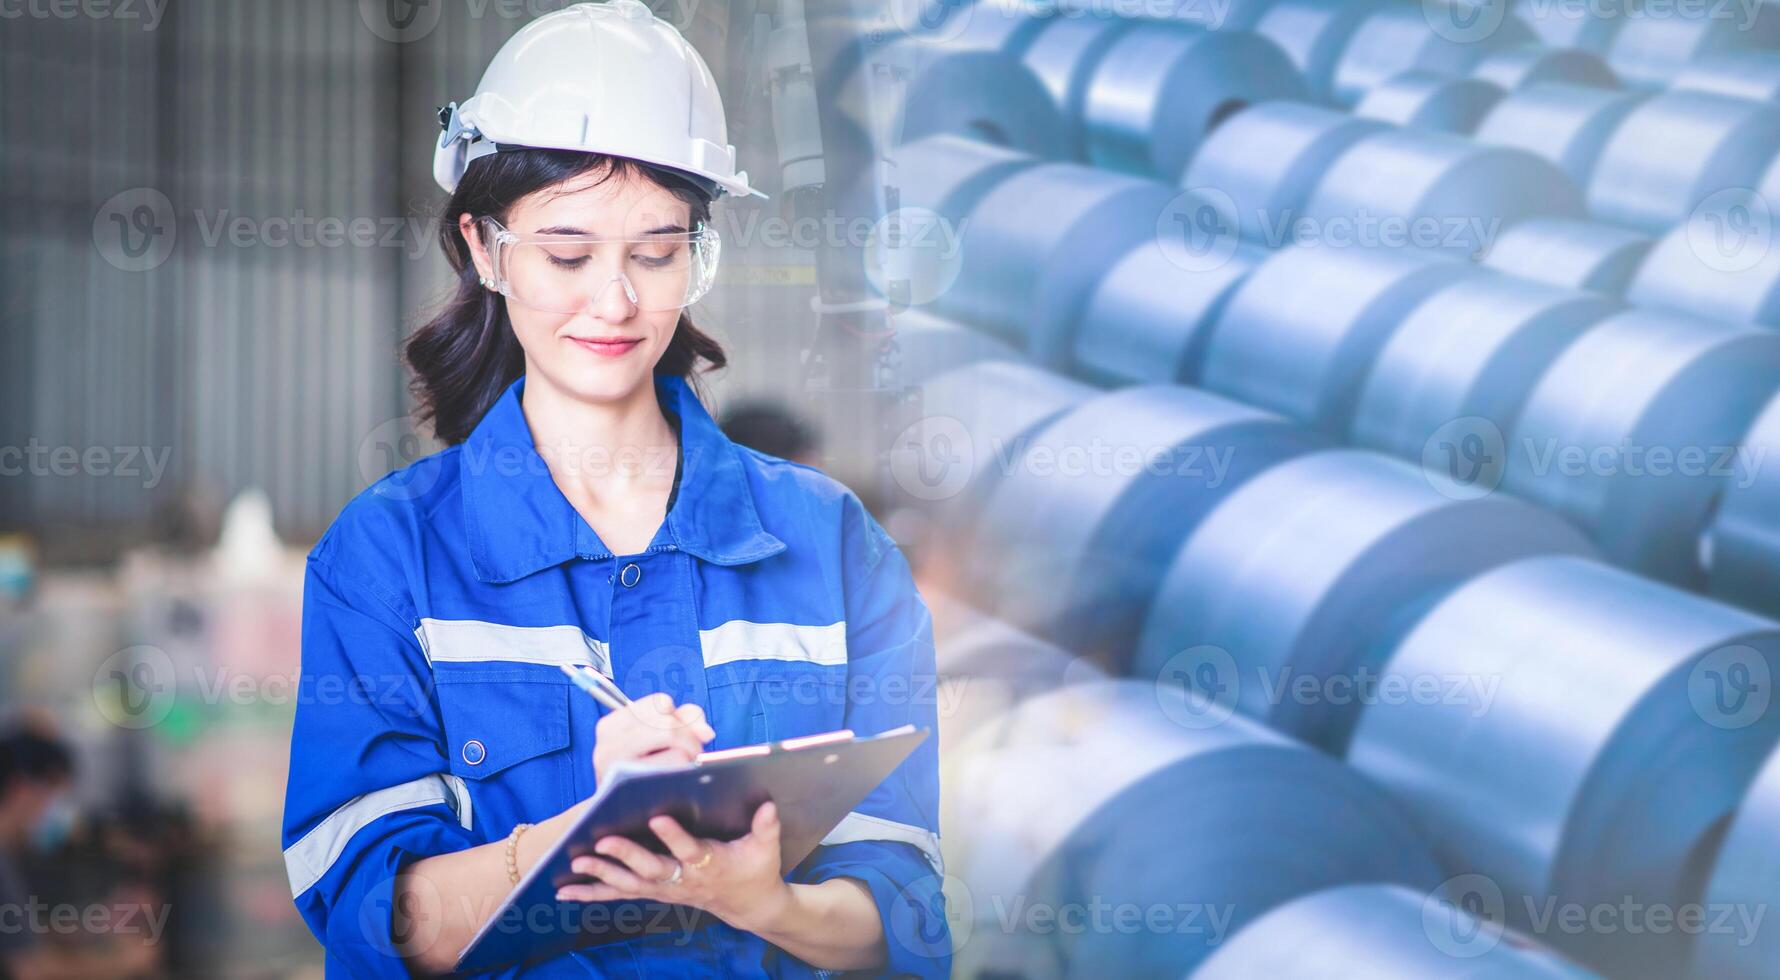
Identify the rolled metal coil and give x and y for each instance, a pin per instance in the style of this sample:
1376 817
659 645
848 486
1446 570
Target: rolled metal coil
1149 319
1459 193
1425 100
1162 87
1294 590
1744 552
1451 380
1313 34
1262 164
1677 149
1074 541
1399 37
1574 254
1537 64
1568 125
1301 333
1649 52
1079 800
1599 767
1632 433
925 346
1722 262
1382 932
1753 75
1744 881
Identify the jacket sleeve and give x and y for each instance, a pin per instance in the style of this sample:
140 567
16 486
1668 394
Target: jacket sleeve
369 789
890 842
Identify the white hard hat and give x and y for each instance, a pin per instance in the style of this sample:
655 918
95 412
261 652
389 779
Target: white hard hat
600 77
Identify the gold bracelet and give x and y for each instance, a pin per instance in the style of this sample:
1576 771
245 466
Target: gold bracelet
513 852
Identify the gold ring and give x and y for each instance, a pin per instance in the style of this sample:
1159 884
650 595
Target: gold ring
701 862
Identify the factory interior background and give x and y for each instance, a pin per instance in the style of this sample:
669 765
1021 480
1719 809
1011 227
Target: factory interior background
1338 442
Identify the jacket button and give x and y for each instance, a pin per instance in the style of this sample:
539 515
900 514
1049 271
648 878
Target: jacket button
631 575
474 752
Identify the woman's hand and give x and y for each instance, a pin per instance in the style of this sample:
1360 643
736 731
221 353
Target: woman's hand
737 881
651 729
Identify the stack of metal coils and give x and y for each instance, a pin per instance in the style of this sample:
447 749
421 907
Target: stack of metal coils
1343 460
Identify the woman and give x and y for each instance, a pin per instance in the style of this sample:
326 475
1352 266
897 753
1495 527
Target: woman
589 511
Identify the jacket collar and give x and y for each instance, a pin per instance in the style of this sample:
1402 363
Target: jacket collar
518 522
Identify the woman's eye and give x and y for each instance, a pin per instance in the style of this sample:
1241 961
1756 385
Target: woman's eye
655 256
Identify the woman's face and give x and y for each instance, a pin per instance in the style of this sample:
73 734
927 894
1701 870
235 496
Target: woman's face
574 352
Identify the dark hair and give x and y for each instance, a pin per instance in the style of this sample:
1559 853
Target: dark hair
466 355
26 755
770 427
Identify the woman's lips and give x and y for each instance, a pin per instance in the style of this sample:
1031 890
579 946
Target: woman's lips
613 347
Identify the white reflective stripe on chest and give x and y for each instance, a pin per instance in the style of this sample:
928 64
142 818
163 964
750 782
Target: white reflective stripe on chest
740 639
472 641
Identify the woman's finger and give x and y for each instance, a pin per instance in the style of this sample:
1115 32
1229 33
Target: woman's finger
693 717
610 872
592 893
687 848
646 864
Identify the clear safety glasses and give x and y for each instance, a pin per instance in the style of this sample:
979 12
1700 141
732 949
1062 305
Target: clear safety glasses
570 273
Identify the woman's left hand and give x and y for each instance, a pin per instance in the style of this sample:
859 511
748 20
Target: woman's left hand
737 881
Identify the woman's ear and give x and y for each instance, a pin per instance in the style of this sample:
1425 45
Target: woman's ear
472 232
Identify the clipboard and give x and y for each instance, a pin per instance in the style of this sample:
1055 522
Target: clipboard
816 781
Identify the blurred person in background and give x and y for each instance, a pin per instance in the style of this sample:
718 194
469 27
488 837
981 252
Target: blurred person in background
589 511
771 428
37 814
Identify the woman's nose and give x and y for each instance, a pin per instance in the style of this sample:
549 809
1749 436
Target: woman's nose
616 301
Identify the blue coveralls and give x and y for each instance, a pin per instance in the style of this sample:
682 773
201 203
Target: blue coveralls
433 717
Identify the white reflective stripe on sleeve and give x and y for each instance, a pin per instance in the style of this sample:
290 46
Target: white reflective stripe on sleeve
740 639
309 859
858 826
469 641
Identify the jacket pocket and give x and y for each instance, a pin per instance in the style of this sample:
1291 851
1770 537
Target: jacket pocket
767 700
499 720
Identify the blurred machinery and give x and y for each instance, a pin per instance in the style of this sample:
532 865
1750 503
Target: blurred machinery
1410 409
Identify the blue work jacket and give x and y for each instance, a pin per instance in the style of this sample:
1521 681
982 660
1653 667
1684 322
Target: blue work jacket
433 715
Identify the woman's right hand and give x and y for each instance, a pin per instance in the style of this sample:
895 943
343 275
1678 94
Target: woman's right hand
651 729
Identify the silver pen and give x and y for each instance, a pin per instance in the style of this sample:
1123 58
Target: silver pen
598 685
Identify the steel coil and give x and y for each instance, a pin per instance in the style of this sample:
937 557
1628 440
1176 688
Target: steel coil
1075 539
1396 38
1677 149
1569 125
1569 26
1575 254
1751 75
1590 759
1064 56
1536 64
986 667
1449 190
1296 587
949 175
903 91
1633 432
945 463
1149 319
1744 881
1313 33
926 346
1300 334
1026 271
1649 52
1381 932
1425 100
1079 800
1744 551
1720 263
1452 379
1163 86
1263 163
